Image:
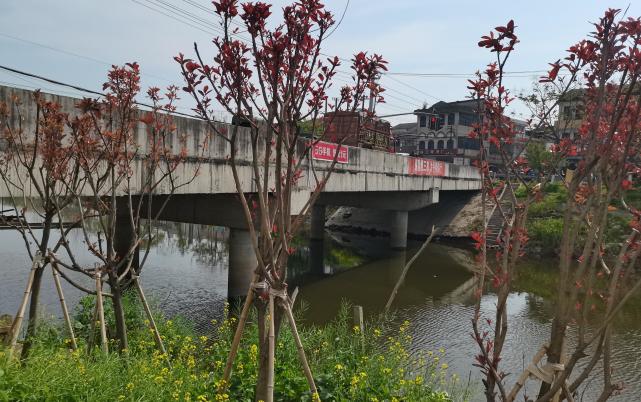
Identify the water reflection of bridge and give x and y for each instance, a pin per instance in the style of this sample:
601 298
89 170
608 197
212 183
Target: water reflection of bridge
441 274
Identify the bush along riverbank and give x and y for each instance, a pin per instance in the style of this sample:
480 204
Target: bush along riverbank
348 364
545 220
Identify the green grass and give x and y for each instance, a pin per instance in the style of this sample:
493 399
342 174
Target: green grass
348 366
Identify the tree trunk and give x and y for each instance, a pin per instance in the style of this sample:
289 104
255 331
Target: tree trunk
555 350
33 311
35 288
119 312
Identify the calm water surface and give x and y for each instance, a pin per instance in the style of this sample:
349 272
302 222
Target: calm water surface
187 275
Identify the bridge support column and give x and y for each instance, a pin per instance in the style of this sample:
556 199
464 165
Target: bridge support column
242 263
316 240
398 230
124 239
318 222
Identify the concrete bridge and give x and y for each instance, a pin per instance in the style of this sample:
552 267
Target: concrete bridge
362 178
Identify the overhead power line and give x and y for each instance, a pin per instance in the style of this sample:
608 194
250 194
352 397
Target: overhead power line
462 75
180 14
81 89
74 54
411 87
340 21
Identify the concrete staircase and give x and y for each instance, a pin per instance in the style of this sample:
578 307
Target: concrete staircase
495 222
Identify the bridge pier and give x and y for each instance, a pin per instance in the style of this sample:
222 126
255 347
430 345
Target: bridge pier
318 222
124 239
398 230
242 262
316 239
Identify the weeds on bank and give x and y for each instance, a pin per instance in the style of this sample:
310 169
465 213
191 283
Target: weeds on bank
349 365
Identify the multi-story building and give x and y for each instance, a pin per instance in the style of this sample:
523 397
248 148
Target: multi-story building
442 132
570 113
404 135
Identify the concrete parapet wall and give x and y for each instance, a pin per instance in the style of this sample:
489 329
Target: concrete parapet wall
365 171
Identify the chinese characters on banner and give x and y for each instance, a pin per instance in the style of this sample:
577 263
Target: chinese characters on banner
426 167
326 151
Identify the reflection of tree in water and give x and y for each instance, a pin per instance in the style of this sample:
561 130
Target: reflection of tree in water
208 244
335 256
343 257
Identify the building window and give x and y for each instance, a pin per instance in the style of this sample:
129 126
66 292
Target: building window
439 144
450 144
467 119
469 143
434 122
422 120
430 144
578 112
450 119
421 145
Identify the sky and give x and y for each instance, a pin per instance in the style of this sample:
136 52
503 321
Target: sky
75 41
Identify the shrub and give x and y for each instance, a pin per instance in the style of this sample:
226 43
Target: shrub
546 231
348 365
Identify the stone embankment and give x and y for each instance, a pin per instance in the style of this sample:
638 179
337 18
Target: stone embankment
455 216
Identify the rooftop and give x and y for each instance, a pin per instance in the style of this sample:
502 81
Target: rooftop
466 106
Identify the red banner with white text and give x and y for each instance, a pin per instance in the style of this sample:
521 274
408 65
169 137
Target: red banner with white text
426 167
326 151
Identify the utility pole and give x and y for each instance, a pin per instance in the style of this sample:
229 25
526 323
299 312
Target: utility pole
372 104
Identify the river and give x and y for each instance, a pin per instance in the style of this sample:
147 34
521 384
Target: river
187 275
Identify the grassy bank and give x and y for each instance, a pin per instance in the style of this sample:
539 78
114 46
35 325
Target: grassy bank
545 220
348 366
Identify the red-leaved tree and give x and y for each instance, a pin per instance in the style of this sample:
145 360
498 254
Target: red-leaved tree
594 282
270 84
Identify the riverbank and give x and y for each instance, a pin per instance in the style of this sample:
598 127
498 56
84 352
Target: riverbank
348 364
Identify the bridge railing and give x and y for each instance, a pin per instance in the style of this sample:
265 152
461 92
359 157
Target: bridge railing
191 133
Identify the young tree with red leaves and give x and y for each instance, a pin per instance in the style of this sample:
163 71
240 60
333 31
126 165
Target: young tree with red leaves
594 283
92 164
35 162
272 84
121 174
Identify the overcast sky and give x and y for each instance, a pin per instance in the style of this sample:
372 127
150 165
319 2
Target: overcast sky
415 36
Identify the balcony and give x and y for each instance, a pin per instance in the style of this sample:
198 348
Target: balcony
448 152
